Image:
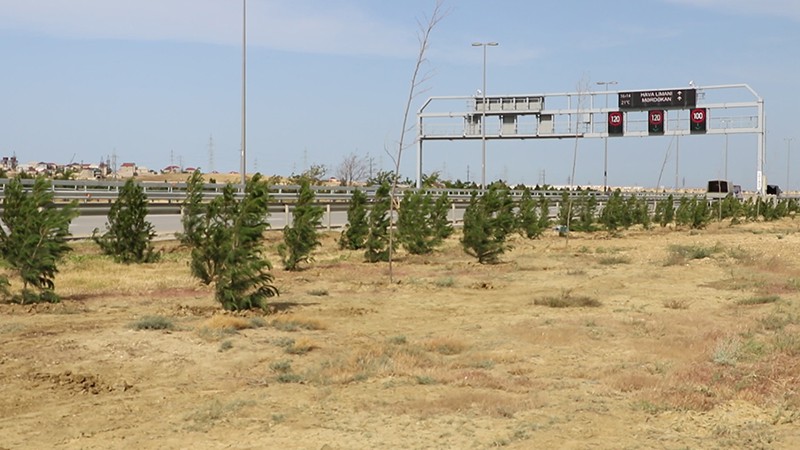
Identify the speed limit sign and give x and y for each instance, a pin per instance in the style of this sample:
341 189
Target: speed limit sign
615 123
698 119
656 122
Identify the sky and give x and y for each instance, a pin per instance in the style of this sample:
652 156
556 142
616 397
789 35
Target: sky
158 82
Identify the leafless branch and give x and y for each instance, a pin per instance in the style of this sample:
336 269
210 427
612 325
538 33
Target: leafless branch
423 36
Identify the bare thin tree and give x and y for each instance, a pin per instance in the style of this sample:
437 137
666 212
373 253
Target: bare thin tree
353 168
583 89
417 79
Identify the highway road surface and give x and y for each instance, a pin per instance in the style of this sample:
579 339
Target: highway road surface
166 225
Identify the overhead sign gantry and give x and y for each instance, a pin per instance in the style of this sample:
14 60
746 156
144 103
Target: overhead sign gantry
722 109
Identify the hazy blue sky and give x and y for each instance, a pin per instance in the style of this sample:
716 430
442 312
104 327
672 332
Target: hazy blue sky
152 80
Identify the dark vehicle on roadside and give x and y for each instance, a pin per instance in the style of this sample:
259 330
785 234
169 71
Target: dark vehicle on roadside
774 189
719 189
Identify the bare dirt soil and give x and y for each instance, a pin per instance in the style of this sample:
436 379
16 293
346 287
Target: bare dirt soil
695 343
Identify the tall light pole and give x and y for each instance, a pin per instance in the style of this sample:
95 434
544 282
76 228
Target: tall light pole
726 122
605 152
788 155
243 162
483 118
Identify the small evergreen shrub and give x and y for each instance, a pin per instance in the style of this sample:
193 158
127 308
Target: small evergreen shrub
488 220
129 236
34 239
302 237
377 243
354 236
227 245
528 219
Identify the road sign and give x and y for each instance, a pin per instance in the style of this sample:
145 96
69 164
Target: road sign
698 117
615 123
655 121
644 100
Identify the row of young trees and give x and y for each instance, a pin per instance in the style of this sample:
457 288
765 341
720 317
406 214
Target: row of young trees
492 217
225 236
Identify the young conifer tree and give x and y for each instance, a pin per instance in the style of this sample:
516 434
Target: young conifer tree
377 243
527 217
488 220
33 239
442 226
355 233
613 215
414 230
228 249
302 237
129 236
192 210
544 212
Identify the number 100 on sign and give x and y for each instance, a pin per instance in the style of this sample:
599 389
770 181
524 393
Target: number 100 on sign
698 117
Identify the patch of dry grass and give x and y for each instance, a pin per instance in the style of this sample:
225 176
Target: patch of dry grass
676 303
294 323
634 380
223 322
567 300
485 403
374 360
301 346
445 345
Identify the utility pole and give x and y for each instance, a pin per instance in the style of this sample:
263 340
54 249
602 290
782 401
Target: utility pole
605 144
726 122
788 159
243 164
483 118
210 153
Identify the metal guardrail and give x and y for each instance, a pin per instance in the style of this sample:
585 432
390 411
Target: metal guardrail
92 190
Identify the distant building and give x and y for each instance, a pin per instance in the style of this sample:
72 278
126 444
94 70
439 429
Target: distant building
9 163
171 169
127 170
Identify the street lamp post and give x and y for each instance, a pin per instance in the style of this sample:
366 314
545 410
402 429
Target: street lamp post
243 162
726 123
788 157
483 115
605 151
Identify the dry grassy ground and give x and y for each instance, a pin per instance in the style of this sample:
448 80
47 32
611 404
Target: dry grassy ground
695 343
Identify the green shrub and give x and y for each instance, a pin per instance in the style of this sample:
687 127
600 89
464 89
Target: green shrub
34 238
355 233
414 230
614 216
377 243
301 238
227 246
438 218
488 220
585 212
528 220
129 236
665 211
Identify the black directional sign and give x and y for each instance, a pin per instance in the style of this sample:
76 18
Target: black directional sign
645 100
655 121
